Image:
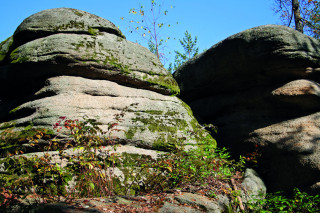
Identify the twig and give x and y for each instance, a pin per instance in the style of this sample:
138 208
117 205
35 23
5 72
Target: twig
239 198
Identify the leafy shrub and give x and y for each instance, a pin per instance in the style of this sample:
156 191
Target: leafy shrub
40 178
45 179
276 202
11 142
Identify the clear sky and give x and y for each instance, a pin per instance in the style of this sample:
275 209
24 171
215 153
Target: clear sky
210 20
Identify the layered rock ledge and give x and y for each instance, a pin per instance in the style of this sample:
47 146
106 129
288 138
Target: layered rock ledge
67 62
260 87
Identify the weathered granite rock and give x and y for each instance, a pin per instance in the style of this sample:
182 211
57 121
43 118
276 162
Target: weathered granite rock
254 58
81 66
291 153
204 203
62 20
172 208
5 48
104 54
150 119
66 62
255 187
260 88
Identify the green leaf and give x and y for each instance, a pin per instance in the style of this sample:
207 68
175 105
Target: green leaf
91 185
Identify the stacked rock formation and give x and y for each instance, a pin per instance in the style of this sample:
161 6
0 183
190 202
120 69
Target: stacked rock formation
67 62
260 88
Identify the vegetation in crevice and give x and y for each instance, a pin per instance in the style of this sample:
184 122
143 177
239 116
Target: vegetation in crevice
15 57
93 31
72 24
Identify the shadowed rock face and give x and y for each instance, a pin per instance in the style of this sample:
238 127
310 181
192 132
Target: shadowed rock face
261 87
67 62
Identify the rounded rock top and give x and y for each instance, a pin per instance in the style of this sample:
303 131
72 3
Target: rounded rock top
63 20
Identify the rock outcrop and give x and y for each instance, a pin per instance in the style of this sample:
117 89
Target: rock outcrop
260 88
81 45
67 62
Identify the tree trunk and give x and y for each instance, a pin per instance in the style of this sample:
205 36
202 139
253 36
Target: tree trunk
297 15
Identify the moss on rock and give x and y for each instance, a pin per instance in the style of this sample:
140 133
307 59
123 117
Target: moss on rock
16 58
5 47
93 31
164 81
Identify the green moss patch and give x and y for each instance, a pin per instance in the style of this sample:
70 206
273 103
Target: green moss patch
116 64
5 47
154 112
166 142
93 31
16 58
166 82
161 124
8 124
71 25
77 12
14 110
131 132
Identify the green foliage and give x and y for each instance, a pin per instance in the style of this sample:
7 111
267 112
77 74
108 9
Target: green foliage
48 179
190 50
276 202
203 167
11 142
314 22
308 15
183 167
45 178
35 174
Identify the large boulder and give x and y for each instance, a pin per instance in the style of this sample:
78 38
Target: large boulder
98 50
67 62
260 88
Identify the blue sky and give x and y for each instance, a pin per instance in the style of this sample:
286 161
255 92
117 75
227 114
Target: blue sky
210 20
